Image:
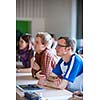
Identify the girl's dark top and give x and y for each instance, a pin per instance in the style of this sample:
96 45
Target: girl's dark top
25 57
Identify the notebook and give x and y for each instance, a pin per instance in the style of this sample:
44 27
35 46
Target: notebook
28 88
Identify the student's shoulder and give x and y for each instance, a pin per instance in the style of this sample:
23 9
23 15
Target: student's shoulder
77 56
60 61
78 59
48 52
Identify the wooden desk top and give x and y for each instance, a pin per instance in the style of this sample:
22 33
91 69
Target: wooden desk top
47 93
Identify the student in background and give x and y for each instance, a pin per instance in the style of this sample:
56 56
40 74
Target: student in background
32 42
18 35
25 54
68 72
54 42
44 60
80 51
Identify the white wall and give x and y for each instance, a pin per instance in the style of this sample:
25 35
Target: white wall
47 15
31 10
58 16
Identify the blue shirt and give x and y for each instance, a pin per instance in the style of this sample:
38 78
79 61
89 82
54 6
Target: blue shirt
70 70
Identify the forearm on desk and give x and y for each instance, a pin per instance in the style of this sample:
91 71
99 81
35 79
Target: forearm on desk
19 66
61 85
51 84
23 70
51 78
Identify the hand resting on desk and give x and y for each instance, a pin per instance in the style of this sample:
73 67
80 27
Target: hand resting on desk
23 70
38 74
54 82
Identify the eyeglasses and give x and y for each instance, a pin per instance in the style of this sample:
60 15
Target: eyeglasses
59 45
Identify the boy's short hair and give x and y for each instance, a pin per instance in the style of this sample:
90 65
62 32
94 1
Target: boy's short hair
45 37
69 42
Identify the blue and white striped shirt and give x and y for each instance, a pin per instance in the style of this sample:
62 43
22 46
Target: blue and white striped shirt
70 70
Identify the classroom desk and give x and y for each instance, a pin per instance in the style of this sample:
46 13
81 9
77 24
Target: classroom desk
47 93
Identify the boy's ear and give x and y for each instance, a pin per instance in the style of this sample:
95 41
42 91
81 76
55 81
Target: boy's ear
44 45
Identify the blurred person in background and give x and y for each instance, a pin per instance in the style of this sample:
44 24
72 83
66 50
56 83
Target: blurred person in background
80 51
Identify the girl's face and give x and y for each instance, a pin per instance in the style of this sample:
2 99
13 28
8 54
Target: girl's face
22 44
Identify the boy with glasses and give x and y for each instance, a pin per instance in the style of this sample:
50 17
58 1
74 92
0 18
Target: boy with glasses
68 72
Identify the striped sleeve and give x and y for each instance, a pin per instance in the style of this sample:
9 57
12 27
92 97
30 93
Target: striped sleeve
73 70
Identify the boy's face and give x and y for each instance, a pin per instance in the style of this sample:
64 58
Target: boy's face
38 46
61 48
